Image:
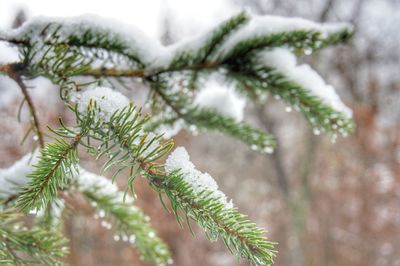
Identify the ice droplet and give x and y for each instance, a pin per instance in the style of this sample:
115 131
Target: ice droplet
308 51
102 213
268 150
132 239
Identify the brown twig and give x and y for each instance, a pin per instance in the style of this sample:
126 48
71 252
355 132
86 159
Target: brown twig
10 70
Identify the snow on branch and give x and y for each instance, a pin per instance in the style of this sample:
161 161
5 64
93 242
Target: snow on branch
235 37
197 195
201 183
274 31
107 100
13 178
285 62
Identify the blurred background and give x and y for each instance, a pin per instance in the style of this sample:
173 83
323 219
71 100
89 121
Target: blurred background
324 203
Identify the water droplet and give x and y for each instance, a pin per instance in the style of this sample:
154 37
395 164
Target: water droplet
276 96
104 224
132 239
254 147
316 131
125 238
170 261
193 129
268 150
35 137
102 213
333 138
288 109
152 234
117 237
308 51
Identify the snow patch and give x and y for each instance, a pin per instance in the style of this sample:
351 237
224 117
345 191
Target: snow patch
133 40
108 100
222 100
285 62
16 176
180 159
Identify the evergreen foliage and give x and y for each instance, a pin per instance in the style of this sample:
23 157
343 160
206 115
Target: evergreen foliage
82 53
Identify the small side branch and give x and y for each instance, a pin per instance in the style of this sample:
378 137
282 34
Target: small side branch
9 69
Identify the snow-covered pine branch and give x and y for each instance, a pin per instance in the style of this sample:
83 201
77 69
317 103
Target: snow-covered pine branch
106 48
201 83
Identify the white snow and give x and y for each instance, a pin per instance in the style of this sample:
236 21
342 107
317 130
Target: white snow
285 62
16 176
179 159
108 100
8 54
135 42
100 185
221 99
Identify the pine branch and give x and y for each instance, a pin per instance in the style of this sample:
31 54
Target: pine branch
260 79
239 234
29 246
208 120
123 140
57 162
185 57
207 210
130 222
298 40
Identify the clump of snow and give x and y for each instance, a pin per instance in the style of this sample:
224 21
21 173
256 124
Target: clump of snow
8 54
100 185
285 62
179 159
221 99
108 100
12 179
134 42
